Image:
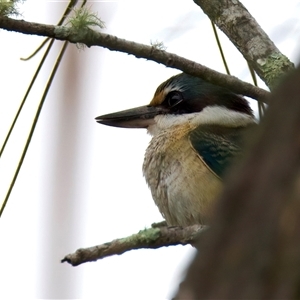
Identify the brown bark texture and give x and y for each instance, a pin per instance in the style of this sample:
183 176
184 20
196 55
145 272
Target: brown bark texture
252 250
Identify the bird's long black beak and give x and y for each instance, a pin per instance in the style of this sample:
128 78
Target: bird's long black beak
139 117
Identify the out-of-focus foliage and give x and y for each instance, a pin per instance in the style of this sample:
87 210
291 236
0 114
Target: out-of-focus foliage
10 7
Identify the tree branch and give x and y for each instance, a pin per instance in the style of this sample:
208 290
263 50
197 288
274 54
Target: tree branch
248 37
151 238
91 37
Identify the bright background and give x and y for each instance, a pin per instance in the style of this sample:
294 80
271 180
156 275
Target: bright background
81 183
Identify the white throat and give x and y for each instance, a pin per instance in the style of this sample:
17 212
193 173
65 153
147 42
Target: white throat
218 115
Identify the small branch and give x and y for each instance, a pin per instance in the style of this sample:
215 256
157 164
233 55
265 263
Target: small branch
248 37
151 238
91 37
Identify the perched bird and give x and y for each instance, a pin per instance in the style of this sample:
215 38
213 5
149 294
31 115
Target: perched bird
197 130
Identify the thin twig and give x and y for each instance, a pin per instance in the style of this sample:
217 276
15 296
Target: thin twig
58 60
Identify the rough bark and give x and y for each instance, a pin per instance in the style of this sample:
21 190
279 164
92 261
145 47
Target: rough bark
253 249
248 37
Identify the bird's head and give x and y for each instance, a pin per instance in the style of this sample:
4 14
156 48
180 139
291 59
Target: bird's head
184 98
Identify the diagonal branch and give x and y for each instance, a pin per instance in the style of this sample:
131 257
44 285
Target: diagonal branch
248 37
151 238
91 37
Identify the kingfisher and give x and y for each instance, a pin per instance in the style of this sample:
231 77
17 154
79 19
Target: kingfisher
197 130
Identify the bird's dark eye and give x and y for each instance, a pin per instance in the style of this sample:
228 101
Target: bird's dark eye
174 98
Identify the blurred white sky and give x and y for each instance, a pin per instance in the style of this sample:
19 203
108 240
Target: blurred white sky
81 183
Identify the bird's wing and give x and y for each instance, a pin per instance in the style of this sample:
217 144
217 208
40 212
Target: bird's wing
217 145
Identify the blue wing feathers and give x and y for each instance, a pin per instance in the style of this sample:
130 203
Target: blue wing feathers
218 146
